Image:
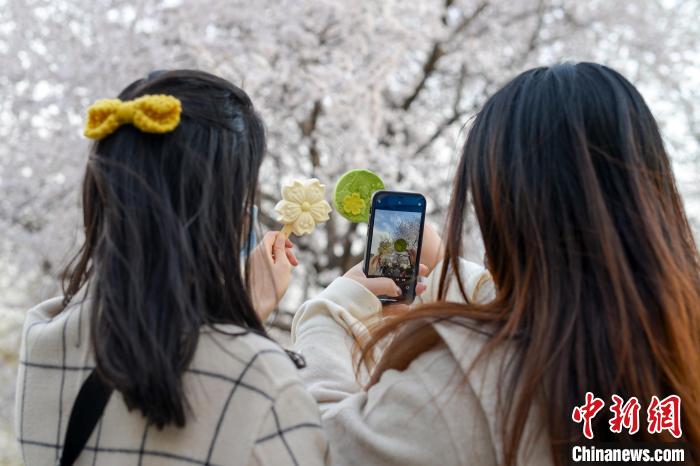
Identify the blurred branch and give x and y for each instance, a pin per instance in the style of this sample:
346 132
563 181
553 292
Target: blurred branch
438 51
448 4
428 69
307 127
457 113
534 36
347 260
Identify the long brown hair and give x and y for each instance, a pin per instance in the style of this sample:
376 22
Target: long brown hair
596 270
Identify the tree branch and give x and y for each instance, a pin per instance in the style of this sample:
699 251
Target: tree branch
428 69
448 4
457 113
307 127
438 51
532 44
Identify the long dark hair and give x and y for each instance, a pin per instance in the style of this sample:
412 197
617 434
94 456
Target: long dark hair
596 270
165 219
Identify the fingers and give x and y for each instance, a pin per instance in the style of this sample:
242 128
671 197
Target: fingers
291 257
356 269
433 248
271 242
269 238
420 288
383 286
279 251
423 270
265 247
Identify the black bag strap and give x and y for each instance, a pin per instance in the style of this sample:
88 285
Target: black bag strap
86 413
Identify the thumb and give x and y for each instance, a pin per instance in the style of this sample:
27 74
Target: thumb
279 250
383 286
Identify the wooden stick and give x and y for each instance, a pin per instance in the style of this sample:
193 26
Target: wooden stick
286 230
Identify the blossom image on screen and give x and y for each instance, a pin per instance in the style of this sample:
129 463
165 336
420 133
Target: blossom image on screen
394 246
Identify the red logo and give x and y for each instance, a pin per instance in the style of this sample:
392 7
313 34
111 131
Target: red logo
587 412
625 415
665 415
662 415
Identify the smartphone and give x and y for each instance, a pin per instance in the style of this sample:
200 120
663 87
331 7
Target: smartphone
394 240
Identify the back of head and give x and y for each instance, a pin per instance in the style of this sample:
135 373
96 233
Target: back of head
166 216
596 269
586 237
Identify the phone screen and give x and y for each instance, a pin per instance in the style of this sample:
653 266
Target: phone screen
394 240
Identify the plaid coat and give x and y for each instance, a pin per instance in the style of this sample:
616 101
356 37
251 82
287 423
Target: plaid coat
248 404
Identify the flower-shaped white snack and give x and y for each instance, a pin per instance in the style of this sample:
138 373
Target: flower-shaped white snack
302 206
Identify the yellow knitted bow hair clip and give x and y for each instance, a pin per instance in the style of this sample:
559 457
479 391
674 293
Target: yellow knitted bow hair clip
150 114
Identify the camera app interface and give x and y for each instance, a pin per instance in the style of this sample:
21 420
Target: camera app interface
394 246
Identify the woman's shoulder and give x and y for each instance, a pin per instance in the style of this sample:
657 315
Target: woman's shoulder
50 328
228 352
234 352
466 384
46 314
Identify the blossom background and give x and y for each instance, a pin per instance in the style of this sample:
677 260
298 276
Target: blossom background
381 84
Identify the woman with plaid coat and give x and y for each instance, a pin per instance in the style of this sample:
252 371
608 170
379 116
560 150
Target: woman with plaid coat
156 354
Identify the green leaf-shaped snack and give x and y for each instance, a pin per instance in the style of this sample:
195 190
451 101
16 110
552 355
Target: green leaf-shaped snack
352 195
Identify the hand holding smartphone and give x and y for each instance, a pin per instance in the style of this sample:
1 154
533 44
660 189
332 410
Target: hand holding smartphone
394 240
